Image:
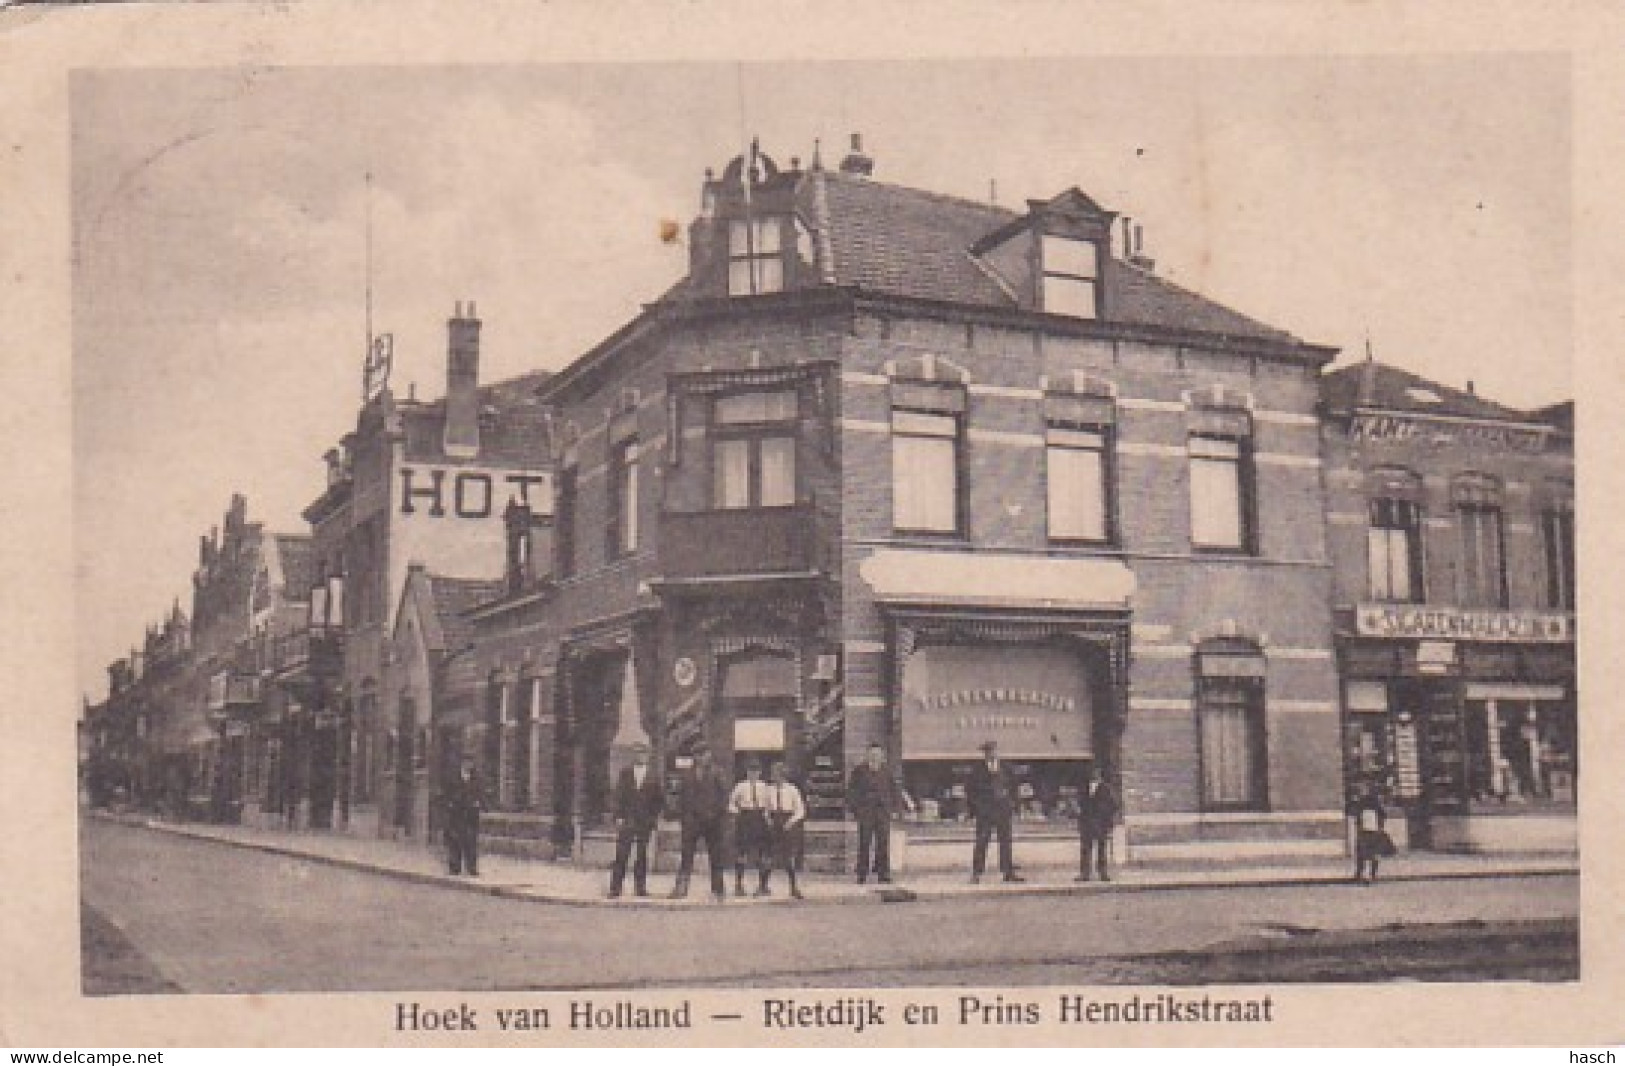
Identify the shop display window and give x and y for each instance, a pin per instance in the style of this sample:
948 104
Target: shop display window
1048 789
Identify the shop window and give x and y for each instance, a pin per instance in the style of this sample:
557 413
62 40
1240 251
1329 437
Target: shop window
564 523
621 534
755 257
1071 276
1230 720
927 481
1394 551
1220 479
1483 561
1557 536
753 450
1079 484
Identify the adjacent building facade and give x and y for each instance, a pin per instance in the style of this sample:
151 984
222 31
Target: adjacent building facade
415 482
1452 524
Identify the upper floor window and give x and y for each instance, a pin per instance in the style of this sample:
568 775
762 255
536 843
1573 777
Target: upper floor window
1078 482
1482 581
753 450
1483 558
926 471
1220 493
755 256
622 531
1071 270
1557 536
1394 550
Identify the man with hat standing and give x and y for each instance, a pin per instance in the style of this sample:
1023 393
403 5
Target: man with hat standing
748 806
637 804
464 800
702 806
1097 813
992 797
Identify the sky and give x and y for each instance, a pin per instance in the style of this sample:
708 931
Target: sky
1418 203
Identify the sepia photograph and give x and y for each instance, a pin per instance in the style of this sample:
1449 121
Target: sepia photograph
716 547
1017 539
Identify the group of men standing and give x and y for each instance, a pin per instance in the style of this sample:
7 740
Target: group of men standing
767 816
768 819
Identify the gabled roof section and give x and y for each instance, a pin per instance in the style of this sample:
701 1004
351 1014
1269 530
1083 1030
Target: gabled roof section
298 570
1378 386
447 599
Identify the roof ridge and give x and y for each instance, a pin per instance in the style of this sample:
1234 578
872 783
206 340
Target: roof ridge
928 194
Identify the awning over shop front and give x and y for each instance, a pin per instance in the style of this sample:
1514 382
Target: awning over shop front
931 578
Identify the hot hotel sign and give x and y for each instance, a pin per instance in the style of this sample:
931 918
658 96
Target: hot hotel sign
1452 623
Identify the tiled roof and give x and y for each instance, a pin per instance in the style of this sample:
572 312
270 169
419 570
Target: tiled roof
892 239
1560 415
454 595
1388 388
513 424
297 572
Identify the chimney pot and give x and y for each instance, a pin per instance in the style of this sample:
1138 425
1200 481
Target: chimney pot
856 161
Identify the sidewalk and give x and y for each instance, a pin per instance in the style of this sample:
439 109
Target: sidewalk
566 883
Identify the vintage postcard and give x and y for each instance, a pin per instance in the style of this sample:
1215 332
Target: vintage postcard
630 526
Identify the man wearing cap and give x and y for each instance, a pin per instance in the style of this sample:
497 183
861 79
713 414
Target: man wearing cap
637 803
702 806
463 802
1097 813
747 804
874 797
992 798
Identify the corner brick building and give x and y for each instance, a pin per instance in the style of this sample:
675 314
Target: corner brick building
1451 519
891 466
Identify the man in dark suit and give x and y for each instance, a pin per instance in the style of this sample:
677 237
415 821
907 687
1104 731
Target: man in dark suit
463 803
874 796
992 797
637 804
702 806
1097 814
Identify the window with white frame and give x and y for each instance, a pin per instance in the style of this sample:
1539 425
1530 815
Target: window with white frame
926 488
1394 550
622 531
1219 493
755 256
753 450
1078 482
1071 270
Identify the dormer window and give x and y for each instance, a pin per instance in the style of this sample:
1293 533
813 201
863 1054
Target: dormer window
1071 272
755 257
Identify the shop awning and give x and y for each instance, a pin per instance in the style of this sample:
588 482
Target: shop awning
931 578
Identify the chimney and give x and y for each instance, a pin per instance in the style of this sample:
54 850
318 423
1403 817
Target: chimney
1134 246
1472 390
856 162
461 437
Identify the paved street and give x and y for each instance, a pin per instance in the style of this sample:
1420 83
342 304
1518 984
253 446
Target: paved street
213 918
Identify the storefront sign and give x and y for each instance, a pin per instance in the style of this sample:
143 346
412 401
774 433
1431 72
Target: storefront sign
1031 701
1451 623
1398 429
